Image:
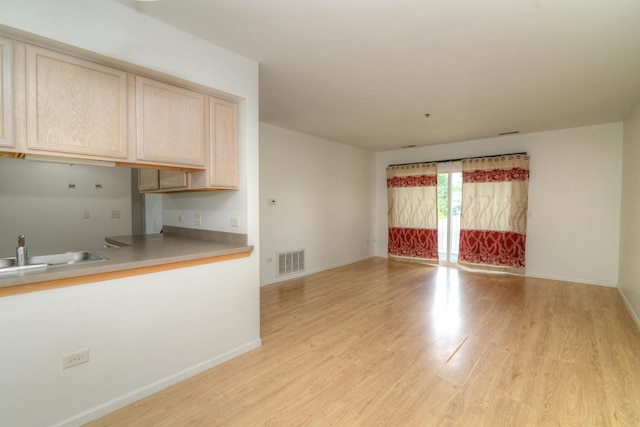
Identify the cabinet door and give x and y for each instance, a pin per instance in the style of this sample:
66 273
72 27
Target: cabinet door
6 83
155 180
148 180
173 180
75 106
170 123
224 143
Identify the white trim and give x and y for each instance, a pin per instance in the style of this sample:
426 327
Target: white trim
635 316
449 176
315 270
538 276
142 392
534 276
448 167
440 264
572 280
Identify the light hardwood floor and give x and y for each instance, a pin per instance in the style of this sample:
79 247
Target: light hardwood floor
396 344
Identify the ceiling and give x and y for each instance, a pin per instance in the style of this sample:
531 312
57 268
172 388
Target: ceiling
365 72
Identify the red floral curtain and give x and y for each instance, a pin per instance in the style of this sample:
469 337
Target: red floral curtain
493 221
413 213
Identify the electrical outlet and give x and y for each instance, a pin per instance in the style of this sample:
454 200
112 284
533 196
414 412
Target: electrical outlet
180 218
269 260
86 214
115 214
77 358
197 219
235 222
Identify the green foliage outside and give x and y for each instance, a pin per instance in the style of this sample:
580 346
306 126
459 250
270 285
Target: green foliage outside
443 186
456 192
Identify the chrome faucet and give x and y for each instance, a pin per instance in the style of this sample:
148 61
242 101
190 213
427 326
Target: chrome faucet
21 252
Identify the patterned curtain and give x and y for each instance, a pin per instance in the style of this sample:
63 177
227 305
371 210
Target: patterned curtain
493 222
413 212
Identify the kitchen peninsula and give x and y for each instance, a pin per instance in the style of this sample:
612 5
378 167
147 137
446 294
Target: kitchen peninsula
134 255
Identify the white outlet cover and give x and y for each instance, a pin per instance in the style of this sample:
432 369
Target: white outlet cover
74 359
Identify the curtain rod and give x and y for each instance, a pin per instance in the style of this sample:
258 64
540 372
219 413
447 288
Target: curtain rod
457 160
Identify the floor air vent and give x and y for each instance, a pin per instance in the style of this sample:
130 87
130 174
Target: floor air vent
290 262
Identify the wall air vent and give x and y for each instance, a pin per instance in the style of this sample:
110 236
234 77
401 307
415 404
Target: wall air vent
290 262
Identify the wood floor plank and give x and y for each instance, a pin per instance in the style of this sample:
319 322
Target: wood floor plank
390 343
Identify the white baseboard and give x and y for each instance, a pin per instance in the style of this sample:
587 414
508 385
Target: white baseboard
341 264
547 276
315 270
572 279
630 308
142 392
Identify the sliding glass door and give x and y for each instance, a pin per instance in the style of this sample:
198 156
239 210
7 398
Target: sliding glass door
449 207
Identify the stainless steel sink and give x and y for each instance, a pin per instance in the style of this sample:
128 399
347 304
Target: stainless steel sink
42 261
66 258
7 262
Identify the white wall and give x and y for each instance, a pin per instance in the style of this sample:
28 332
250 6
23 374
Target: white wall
630 225
323 201
35 200
147 331
574 197
143 333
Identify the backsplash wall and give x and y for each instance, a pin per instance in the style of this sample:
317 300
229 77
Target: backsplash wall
35 200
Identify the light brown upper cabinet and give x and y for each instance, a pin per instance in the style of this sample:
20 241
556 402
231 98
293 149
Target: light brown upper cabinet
75 106
56 104
170 124
161 181
6 84
222 168
148 180
224 143
173 180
